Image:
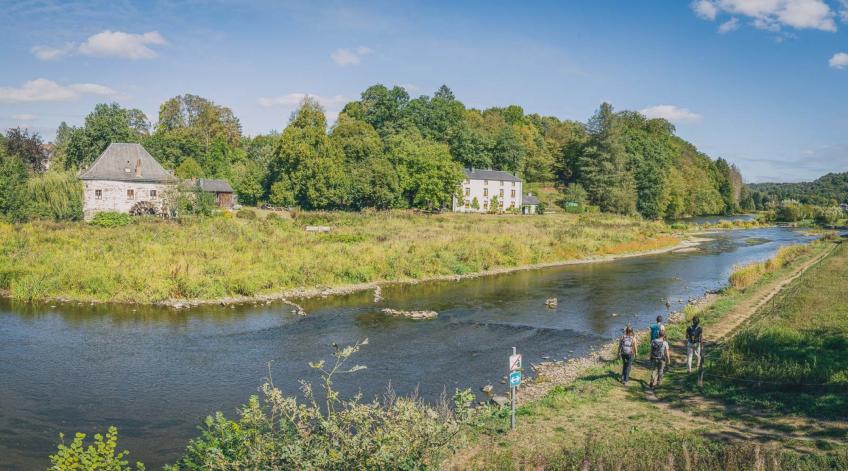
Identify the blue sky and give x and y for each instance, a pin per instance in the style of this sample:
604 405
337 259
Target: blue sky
762 83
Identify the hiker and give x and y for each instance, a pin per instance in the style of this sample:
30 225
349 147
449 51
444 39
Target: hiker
627 348
694 339
660 357
657 328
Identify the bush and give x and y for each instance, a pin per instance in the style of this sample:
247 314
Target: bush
111 219
98 456
245 213
540 209
56 196
278 433
144 208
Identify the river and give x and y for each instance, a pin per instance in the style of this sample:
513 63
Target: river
156 373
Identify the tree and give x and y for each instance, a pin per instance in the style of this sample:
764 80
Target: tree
383 108
308 162
189 169
248 177
470 147
13 180
575 193
202 118
603 165
103 126
509 151
429 177
357 139
27 147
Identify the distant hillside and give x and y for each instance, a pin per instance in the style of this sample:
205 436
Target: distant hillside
828 189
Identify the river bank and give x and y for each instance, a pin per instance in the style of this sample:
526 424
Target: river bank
577 412
233 261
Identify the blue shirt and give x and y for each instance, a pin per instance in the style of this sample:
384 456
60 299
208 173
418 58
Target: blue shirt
655 331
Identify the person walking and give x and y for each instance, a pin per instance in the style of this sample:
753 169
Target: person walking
656 328
627 348
660 358
694 340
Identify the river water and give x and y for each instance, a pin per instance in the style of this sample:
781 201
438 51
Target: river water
156 373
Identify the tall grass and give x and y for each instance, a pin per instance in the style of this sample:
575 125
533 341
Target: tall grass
212 258
746 275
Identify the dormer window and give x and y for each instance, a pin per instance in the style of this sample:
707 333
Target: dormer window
485 182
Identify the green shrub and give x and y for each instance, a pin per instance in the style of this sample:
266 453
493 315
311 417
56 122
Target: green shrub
679 226
99 456
111 219
246 213
280 433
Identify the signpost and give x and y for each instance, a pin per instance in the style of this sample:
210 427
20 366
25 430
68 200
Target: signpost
514 382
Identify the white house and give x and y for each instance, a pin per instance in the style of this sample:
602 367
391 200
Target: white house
124 175
482 187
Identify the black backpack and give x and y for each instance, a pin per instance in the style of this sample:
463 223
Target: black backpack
657 349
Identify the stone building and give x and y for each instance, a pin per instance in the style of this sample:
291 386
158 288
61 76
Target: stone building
483 187
124 175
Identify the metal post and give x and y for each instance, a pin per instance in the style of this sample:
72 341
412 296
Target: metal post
512 397
701 365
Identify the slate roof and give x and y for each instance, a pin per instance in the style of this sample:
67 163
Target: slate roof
214 186
479 174
529 200
127 163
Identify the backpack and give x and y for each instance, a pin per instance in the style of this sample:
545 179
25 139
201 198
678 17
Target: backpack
626 345
655 331
657 349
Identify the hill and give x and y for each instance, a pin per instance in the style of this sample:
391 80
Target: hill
827 190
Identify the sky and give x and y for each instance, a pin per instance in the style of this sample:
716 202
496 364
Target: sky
762 83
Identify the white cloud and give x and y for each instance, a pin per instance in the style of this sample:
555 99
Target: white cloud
843 10
839 60
47 90
705 9
107 44
772 15
671 113
349 56
332 104
729 25
24 117
47 53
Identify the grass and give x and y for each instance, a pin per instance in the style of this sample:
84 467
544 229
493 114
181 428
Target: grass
746 275
794 357
683 426
155 260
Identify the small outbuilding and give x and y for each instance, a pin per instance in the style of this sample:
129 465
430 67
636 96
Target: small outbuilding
529 204
224 194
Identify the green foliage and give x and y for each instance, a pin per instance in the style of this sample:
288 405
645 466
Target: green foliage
279 433
55 195
110 219
830 189
829 216
108 123
13 188
429 177
195 202
188 169
101 455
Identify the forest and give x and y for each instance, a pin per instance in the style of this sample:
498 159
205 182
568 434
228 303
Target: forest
829 190
385 150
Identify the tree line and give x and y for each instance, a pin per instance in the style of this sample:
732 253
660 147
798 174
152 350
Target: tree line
828 190
389 150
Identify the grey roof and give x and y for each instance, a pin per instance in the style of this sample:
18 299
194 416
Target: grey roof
214 186
529 200
127 162
478 174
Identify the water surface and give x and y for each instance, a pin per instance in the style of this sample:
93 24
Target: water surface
156 373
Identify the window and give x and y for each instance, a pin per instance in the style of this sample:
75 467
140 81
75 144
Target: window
467 181
512 193
513 183
485 182
512 205
98 194
130 194
502 182
501 192
501 204
467 191
485 192
467 203
153 193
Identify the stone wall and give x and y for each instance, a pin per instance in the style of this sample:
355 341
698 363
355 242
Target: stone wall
114 195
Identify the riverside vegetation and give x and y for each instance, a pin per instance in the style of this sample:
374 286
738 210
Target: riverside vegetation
152 260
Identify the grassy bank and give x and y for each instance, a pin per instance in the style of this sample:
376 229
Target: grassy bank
682 426
154 260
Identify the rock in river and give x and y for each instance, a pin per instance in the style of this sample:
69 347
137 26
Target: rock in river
415 315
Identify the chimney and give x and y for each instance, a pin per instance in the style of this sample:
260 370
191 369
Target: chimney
138 168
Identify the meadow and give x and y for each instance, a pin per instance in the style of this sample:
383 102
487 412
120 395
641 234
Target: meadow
153 260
